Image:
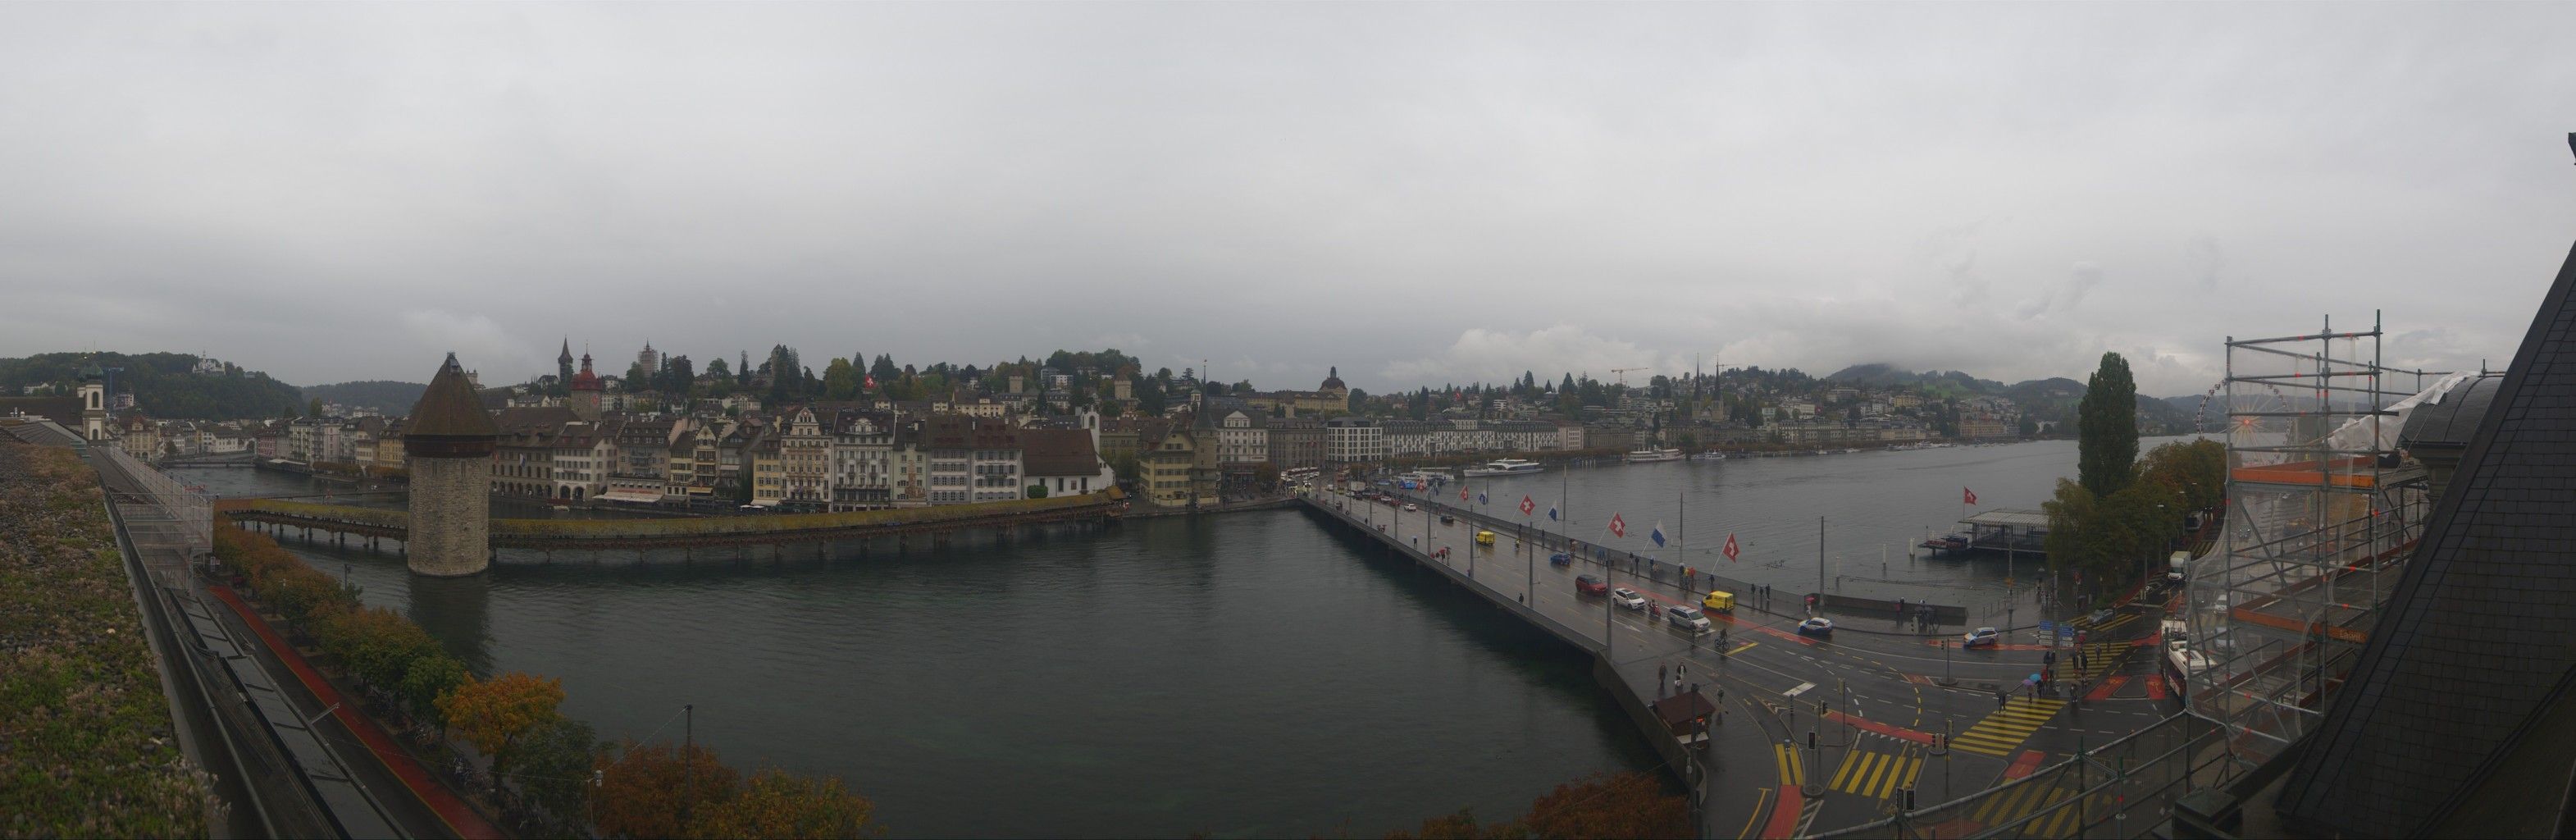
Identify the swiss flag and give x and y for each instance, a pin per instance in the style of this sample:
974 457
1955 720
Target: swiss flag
1618 526
1729 550
1527 506
1462 492
1971 495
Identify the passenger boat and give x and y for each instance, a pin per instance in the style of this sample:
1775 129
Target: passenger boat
1507 466
1653 454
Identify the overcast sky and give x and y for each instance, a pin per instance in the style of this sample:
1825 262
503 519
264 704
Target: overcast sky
1416 193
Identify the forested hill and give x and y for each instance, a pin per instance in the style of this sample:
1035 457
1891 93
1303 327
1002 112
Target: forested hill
385 396
163 384
2052 399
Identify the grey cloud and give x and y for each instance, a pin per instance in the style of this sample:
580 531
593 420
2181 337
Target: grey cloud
1289 185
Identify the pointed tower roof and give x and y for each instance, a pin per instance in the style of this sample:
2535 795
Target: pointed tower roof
449 409
562 358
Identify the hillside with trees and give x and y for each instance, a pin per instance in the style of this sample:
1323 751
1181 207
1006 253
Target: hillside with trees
163 384
383 395
2052 399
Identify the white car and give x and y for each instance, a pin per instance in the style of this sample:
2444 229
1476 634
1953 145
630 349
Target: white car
1411 506
1628 598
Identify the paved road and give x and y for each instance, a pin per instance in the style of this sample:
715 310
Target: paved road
1883 694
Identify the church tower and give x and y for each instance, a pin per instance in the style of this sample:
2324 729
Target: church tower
563 364
449 442
585 392
93 397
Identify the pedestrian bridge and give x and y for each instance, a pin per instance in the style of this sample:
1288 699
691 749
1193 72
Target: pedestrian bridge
689 532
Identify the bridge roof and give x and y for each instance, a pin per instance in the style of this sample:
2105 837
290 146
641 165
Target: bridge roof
449 408
2470 654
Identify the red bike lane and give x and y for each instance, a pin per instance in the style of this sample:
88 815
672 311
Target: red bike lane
459 817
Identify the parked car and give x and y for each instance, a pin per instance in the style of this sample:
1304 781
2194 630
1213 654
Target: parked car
1821 627
1982 637
1686 619
1591 585
1628 598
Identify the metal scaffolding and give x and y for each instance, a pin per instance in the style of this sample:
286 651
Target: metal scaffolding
2321 513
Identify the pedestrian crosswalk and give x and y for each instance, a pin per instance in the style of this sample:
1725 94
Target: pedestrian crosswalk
2099 658
2002 732
1793 771
1877 775
2025 810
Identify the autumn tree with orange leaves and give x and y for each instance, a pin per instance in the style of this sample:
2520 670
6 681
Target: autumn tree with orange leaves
1622 805
777 803
642 789
498 714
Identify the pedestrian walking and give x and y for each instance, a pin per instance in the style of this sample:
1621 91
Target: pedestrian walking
2001 697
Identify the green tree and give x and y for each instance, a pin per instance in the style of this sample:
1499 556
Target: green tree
429 679
840 380
553 766
2107 428
2070 532
313 407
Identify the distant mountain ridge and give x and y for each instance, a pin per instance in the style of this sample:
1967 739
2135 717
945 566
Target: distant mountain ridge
2051 399
383 395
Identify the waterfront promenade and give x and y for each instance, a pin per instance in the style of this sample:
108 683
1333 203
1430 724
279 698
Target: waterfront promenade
1813 734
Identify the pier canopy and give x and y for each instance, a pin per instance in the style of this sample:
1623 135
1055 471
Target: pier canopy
2007 530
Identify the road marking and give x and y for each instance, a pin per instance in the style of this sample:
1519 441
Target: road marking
1760 795
2003 730
1801 689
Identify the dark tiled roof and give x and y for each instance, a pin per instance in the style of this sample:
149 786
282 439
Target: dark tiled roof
2474 640
528 418
448 407
1057 452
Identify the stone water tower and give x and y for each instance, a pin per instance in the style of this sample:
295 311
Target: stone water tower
449 441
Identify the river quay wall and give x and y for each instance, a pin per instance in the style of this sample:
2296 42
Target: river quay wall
1624 686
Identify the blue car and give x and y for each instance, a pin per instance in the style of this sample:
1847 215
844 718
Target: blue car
1820 627
1560 559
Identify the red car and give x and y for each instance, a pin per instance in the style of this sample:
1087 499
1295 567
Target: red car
1591 585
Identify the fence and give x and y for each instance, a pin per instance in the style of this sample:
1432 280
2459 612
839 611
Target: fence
168 523
2124 789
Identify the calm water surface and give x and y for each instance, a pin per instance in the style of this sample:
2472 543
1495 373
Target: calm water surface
1243 675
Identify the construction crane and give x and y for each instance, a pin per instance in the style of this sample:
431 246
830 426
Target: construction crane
1623 374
